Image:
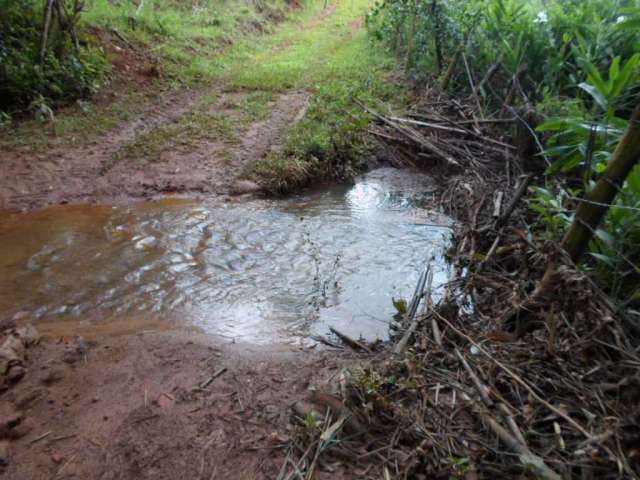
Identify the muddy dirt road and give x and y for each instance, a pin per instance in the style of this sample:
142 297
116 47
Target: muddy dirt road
141 399
115 167
156 404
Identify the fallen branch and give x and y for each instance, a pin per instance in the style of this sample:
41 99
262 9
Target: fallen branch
527 458
356 345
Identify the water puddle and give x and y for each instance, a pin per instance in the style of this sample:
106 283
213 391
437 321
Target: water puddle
259 270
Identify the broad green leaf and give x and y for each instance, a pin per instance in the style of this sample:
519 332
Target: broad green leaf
614 71
603 258
593 76
623 78
595 93
633 181
605 236
630 24
564 164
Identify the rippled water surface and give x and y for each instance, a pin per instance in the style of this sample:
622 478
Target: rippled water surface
258 270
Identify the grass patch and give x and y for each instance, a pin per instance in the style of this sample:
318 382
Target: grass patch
73 124
183 38
186 35
187 131
328 54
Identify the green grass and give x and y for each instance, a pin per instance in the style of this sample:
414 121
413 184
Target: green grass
181 38
328 54
185 35
325 52
74 124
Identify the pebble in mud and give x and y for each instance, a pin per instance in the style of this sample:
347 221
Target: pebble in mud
52 376
23 429
16 373
9 422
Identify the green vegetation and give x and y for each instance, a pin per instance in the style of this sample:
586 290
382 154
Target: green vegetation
181 37
328 54
30 75
320 48
577 63
185 36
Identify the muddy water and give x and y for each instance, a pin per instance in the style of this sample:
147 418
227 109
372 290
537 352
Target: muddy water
258 270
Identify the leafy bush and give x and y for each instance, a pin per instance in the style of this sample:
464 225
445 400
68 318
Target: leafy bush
64 74
553 38
581 64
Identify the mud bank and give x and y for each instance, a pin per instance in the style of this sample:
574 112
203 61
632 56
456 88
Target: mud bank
160 405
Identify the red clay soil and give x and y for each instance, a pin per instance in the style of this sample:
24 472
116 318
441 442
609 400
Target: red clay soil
155 405
87 172
70 170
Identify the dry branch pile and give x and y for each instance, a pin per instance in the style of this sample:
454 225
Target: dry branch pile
466 394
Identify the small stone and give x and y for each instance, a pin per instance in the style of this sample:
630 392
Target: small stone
4 453
95 400
16 373
28 334
71 356
105 418
9 422
27 398
52 376
57 458
23 429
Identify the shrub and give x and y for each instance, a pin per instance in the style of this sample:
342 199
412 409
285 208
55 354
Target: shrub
63 75
582 59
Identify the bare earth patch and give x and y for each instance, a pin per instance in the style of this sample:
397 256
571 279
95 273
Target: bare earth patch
161 405
103 171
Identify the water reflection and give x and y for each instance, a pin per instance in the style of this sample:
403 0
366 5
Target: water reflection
259 270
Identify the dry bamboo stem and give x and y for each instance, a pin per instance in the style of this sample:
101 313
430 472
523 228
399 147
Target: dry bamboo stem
473 91
480 387
427 278
444 85
525 455
519 380
356 345
493 69
515 81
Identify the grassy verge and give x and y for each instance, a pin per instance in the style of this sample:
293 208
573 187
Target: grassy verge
328 54
184 36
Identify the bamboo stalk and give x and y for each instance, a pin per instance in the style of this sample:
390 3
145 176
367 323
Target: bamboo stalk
437 35
446 80
590 212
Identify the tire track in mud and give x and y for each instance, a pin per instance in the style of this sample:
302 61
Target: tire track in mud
98 171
